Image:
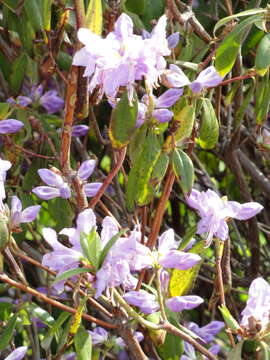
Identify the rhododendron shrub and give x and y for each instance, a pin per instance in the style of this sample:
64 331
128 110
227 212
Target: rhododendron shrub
134 180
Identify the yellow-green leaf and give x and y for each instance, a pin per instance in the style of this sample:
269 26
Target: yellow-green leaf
182 281
209 129
93 18
262 60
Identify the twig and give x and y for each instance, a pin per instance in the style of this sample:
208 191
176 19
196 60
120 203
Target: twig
27 289
109 178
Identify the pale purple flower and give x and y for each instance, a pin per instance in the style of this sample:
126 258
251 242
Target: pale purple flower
161 105
10 126
99 335
214 212
57 186
173 40
80 130
4 167
18 216
49 100
17 354
180 303
175 78
168 256
122 57
258 303
147 303
85 170
207 332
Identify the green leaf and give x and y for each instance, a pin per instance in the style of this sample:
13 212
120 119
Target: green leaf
4 110
123 121
235 16
93 18
159 170
92 247
183 169
228 318
182 281
46 14
184 116
209 129
109 245
61 212
262 99
69 273
17 74
136 7
262 60
83 344
7 332
264 350
33 10
40 313
11 4
46 342
236 352
228 50
138 189
173 346
4 233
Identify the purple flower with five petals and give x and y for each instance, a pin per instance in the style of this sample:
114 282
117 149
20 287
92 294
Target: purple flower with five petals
49 100
175 78
18 216
148 303
161 105
214 212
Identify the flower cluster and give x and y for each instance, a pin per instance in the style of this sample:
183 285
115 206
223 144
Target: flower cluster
123 57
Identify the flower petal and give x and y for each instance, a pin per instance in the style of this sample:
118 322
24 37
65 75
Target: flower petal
92 188
179 260
168 98
17 354
10 126
180 303
86 169
51 178
46 192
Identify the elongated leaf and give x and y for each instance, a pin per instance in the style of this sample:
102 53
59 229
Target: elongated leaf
159 170
33 10
183 169
109 245
209 129
69 273
18 71
93 18
41 314
262 60
138 189
184 116
248 12
228 318
123 122
46 342
262 97
4 110
92 248
83 344
227 52
265 350
173 346
46 14
11 4
182 281
7 332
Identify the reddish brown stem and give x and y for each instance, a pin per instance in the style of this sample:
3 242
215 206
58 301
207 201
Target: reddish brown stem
29 290
109 178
